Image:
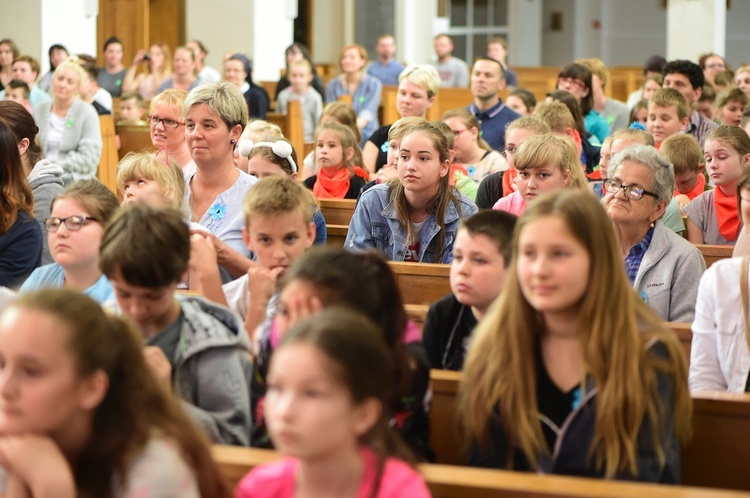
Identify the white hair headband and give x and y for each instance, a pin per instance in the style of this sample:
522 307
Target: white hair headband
281 148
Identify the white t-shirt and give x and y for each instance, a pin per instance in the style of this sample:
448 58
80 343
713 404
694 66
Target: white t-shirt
54 137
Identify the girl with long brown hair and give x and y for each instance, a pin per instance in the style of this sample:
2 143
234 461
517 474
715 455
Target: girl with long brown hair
571 372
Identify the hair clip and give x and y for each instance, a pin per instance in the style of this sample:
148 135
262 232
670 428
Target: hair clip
166 155
281 148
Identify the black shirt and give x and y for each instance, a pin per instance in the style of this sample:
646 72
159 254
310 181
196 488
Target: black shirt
554 403
490 190
379 138
446 333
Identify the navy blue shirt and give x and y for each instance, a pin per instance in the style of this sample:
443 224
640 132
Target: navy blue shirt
493 122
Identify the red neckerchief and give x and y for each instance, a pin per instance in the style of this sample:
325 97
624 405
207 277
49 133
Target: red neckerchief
727 215
700 187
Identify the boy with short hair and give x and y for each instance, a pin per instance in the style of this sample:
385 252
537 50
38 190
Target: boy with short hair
729 106
18 91
481 256
300 76
668 114
706 104
197 348
132 108
685 155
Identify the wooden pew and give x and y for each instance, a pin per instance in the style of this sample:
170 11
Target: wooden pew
417 313
421 283
684 335
336 235
337 211
713 253
270 88
106 173
134 139
447 99
291 125
716 457
458 482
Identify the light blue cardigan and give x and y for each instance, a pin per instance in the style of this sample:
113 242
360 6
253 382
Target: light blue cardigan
81 146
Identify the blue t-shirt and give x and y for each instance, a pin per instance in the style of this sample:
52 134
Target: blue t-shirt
493 122
53 277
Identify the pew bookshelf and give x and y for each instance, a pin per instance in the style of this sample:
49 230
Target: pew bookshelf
337 211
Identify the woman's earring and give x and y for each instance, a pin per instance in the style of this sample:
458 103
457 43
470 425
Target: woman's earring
232 141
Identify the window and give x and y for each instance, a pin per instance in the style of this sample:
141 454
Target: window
473 23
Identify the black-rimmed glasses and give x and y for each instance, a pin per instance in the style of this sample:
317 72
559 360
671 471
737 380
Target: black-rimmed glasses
72 223
167 123
632 192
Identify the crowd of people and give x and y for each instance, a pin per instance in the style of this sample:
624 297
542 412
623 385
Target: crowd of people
561 220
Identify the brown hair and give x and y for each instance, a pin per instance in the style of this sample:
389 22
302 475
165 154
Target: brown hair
469 121
277 195
16 193
269 155
13 47
556 115
16 84
32 62
94 198
495 225
343 113
743 184
733 94
21 122
683 151
732 136
136 405
347 141
669 97
569 101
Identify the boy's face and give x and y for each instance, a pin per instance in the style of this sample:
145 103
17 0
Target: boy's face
278 241
129 110
16 95
707 109
478 270
299 77
151 308
22 71
663 122
685 182
731 113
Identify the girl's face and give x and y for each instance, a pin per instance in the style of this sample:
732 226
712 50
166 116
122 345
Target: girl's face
743 81
419 165
162 136
513 140
465 139
575 86
157 57
393 153
412 100
731 113
294 54
650 88
208 137
351 61
724 164
58 56
533 182
260 167
553 266
183 63
745 205
234 72
66 84
515 103
310 413
6 55
40 392
74 249
328 150
145 191
642 115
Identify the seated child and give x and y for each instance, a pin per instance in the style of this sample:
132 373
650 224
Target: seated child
337 176
277 157
90 418
342 113
668 114
706 104
415 217
730 104
481 256
471 150
142 177
74 232
300 76
458 176
257 130
713 216
639 112
684 153
195 347
389 171
132 108
340 441
18 91
544 163
522 101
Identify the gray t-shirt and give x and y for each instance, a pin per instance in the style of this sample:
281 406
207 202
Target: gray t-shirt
454 73
701 211
112 82
616 114
312 108
168 339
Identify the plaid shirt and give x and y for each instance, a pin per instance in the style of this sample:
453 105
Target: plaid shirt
699 126
635 256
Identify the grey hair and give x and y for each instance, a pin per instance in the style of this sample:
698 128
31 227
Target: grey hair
224 99
662 170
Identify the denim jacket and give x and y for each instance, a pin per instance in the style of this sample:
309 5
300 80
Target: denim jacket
375 225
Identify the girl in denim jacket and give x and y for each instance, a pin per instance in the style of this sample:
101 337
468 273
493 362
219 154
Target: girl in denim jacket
414 217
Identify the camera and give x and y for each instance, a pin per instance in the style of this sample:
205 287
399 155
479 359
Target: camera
147 57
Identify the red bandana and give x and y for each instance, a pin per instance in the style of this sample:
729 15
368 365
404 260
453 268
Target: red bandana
726 214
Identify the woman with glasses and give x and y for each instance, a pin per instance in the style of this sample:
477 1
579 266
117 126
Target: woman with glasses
576 79
20 236
75 228
418 85
470 148
663 268
167 128
215 115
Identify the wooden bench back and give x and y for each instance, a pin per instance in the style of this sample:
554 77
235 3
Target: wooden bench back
421 283
337 211
106 173
134 139
291 126
713 253
336 234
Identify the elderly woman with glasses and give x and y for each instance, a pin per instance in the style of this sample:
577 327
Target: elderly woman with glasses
664 268
167 128
215 115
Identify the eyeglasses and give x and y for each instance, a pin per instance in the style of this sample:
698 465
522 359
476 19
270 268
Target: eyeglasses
631 191
72 223
716 65
167 123
510 150
570 82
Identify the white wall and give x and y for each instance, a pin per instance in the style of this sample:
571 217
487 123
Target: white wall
328 33
557 46
525 32
67 23
688 18
633 31
271 38
415 38
18 22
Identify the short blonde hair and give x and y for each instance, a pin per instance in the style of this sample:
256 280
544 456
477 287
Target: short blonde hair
277 195
72 64
168 176
556 115
425 76
683 151
259 130
540 150
401 126
669 97
223 99
174 97
597 67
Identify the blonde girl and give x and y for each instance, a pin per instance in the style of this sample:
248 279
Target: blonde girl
414 217
712 217
337 441
341 113
257 130
555 381
159 62
544 163
471 150
74 231
338 177
95 421
141 177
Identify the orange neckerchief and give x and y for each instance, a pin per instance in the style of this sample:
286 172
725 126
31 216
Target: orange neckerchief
700 187
335 185
508 186
726 214
452 173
